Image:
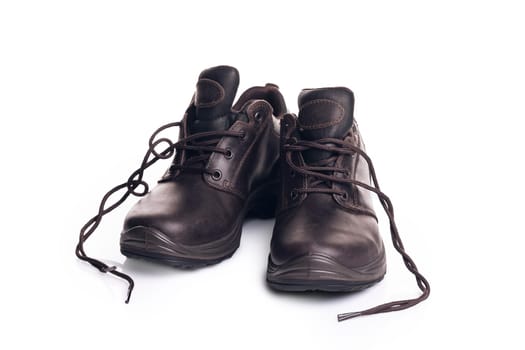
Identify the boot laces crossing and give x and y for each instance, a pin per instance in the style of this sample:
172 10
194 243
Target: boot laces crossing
321 173
202 145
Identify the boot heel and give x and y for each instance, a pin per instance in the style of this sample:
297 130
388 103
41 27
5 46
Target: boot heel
263 205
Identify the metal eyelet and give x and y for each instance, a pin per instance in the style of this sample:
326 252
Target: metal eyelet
292 173
216 175
258 116
346 173
344 196
293 194
228 154
292 140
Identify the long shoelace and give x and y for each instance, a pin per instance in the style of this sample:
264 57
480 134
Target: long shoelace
316 171
135 185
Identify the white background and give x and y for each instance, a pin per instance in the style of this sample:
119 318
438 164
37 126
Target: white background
440 92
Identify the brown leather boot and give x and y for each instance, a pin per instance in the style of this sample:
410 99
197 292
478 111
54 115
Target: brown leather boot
326 236
225 168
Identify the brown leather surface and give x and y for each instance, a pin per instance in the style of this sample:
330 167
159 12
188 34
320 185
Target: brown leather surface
326 224
194 208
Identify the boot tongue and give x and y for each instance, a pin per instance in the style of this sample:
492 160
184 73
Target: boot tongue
216 89
326 112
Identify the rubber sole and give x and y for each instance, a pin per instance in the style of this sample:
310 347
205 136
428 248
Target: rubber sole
321 286
317 272
150 244
183 263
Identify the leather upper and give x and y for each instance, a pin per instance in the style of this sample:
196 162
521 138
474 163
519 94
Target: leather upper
340 226
195 207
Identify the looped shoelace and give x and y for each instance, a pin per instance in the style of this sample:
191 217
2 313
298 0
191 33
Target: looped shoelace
135 185
345 148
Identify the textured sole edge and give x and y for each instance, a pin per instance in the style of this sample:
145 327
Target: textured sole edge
179 262
150 244
320 286
317 272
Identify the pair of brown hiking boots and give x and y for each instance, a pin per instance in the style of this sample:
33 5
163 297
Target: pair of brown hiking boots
253 159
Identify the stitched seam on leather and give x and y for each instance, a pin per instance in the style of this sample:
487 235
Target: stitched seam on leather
338 119
258 134
219 98
245 156
256 105
223 188
354 175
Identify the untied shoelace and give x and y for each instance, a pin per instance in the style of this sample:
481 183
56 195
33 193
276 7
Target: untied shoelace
135 185
316 171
